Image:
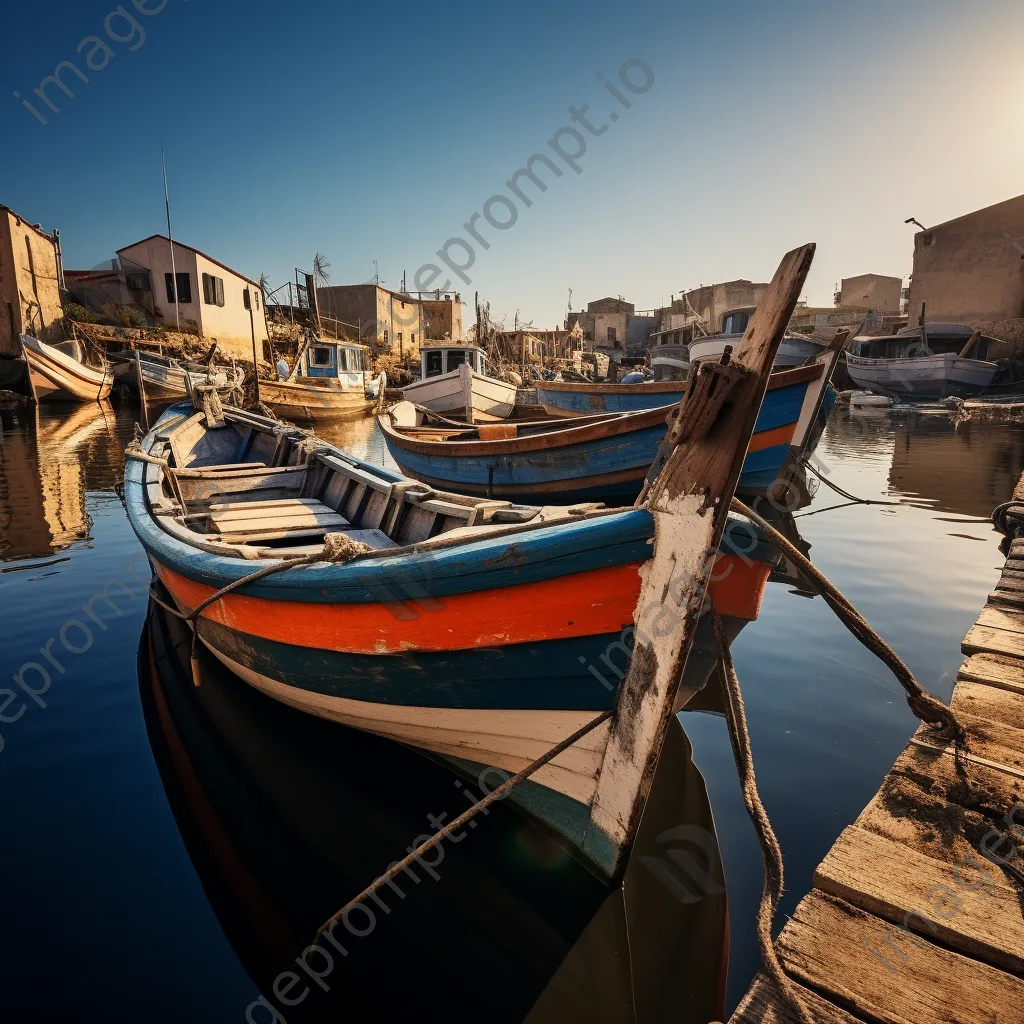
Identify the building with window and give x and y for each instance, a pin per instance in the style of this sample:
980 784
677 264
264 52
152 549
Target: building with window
221 303
612 327
399 323
31 279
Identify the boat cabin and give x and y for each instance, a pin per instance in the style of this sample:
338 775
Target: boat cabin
436 360
734 321
344 361
907 343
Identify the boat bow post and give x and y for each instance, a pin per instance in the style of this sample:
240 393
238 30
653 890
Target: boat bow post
689 500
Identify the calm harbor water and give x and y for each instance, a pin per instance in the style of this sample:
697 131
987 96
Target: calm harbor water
167 850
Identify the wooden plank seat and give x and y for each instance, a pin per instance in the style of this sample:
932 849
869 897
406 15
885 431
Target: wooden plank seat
243 522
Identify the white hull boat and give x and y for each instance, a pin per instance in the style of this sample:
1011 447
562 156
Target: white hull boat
465 393
57 372
922 376
794 350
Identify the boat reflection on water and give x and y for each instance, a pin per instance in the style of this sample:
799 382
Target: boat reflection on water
286 817
48 462
963 468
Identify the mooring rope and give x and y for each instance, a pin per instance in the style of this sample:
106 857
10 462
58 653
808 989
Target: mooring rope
771 852
843 493
927 708
495 794
1013 509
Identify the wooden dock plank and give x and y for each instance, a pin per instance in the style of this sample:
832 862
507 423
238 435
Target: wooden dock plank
986 640
889 974
971 909
761 1005
994 670
926 804
1001 618
995 704
912 919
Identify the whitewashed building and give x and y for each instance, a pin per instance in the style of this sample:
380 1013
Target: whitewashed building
224 305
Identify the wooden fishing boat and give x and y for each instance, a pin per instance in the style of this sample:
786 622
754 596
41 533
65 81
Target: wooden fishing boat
171 380
328 382
58 373
456 588
570 398
474 628
599 457
795 350
454 382
923 362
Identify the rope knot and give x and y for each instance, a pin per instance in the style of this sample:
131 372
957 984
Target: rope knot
340 547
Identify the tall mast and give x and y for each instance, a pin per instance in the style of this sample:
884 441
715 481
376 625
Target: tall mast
170 242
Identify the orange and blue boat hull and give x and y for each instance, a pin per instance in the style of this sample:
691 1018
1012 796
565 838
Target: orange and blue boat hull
607 463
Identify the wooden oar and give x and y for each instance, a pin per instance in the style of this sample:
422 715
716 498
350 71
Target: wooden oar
689 502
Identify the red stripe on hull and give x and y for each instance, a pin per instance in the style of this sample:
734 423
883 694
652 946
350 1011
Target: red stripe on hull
583 604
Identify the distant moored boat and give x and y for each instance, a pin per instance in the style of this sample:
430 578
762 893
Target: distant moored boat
454 382
57 372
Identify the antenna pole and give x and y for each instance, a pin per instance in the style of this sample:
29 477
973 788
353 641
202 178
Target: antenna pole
170 242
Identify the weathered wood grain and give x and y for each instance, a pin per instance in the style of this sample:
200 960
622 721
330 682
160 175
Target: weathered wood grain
939 810
999 706
761 1005
986 640
969 907
689 503
1001 618
994 670
989 740
889 974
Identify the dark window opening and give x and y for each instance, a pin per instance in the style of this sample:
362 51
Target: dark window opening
213 290
735 323
184 287
321 356
434 363
456 358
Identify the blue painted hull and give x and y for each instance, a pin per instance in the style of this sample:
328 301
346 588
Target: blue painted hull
610 469
591 402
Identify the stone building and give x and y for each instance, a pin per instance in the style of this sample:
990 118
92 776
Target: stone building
612 327
871 291
395 322
31 280
221 303
971 269
708 302
534 344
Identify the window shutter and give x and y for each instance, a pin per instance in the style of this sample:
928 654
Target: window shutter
169 282
219 282
206 289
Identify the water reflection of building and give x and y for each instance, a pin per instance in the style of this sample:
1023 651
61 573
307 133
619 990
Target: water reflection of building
46 461
966 469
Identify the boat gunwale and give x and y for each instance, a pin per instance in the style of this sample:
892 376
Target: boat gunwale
546 543
567 432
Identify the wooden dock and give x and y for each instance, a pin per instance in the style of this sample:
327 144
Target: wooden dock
917 912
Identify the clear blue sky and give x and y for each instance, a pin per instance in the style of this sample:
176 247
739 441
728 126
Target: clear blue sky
373 132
